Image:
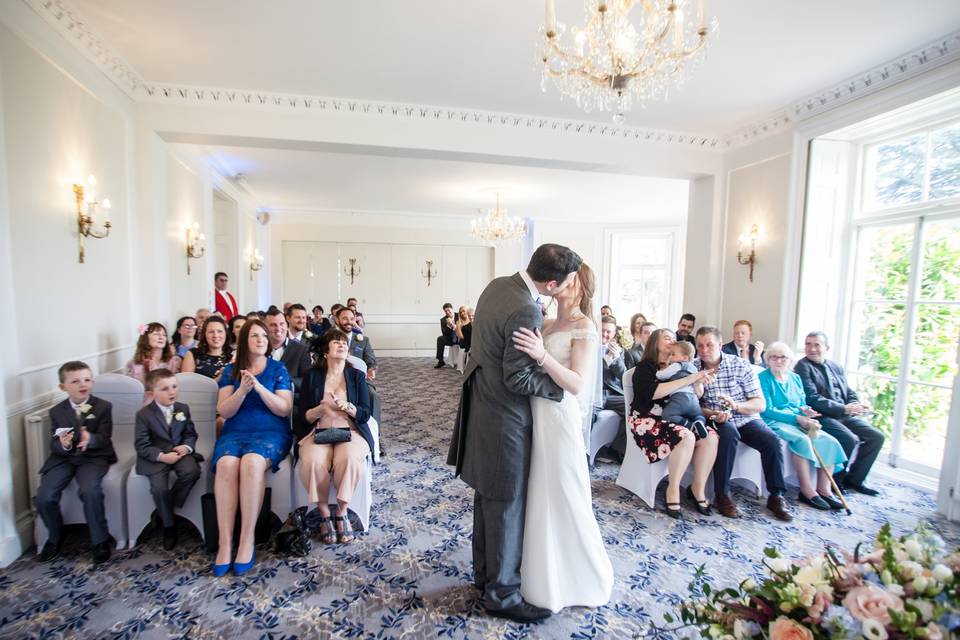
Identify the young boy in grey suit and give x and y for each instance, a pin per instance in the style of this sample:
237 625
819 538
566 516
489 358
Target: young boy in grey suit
165 437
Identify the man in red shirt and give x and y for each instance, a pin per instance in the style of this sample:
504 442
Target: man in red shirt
223 300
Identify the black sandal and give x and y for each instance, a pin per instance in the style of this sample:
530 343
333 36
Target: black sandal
674 513
328 531
702 506
344 532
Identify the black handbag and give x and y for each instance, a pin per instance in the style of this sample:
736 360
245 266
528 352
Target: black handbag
294 536
331 436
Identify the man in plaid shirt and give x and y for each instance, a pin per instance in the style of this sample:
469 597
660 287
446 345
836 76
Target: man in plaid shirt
733 401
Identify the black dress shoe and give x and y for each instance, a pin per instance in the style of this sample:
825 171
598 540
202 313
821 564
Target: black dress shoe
816 502
522 612
702 506
439 365
835 504
862 488
169 537
101 552
50 551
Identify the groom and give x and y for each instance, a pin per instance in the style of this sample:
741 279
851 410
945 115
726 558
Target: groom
494 428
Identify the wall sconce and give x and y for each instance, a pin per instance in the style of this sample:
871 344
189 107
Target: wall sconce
256 262
196 243
751 258
85 221
428 272
353 270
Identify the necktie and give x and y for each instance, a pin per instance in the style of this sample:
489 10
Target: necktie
168 414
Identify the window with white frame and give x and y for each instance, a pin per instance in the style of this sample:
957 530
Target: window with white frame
643 276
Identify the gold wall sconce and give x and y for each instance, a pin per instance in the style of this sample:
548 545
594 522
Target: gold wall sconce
428 272
352 270
196 243
87 205
256 262
749 259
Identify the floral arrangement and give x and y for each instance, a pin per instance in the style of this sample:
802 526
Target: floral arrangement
905 587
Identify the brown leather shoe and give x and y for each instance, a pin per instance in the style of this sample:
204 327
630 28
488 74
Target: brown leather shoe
726 506
778 506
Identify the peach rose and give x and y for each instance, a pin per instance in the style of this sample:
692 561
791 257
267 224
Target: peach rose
783 628
869 602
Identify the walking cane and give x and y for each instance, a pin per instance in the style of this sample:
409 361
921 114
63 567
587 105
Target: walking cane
812 433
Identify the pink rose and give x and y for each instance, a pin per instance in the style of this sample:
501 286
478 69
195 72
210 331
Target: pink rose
784 628
820 603
869 602
934 631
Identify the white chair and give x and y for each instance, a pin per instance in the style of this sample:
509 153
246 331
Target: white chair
200 394
637 474
451 356
603 431
126 396
461 360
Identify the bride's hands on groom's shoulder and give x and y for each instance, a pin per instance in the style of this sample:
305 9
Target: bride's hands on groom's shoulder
530 343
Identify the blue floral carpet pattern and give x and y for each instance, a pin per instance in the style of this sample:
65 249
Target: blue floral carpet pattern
409 576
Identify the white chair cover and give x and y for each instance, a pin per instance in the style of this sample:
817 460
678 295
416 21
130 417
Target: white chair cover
603 431
637 475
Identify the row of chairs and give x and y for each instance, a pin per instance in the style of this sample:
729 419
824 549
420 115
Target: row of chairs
455 356
127 498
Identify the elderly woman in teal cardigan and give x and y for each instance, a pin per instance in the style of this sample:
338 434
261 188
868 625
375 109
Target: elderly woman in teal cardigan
792 420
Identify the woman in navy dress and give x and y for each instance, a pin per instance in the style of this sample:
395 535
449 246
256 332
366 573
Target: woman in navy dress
255 398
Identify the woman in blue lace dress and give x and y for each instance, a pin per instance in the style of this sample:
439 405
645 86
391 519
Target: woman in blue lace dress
255 399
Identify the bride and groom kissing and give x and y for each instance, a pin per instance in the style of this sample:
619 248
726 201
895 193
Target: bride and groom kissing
518 442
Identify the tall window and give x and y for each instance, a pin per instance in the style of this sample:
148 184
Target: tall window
642 275
903 322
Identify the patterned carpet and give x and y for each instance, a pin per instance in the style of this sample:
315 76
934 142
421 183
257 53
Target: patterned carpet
410 575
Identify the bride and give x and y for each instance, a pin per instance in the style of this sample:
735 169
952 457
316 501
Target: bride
564 562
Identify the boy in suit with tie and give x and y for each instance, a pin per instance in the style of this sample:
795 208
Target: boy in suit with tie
165 437
80 448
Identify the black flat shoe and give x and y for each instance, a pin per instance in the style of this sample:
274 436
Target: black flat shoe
169 538
835 504
439 365
676 514
816 502
50 551
101 552
702 506
862 488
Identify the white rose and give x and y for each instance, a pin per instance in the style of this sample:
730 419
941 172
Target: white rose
179 416
85 407
920 584
749 584
924 607
910 569
743 629
913 548
894 589
874 630
942 573
778 565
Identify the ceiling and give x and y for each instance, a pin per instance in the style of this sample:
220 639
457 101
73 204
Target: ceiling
311 181
482 55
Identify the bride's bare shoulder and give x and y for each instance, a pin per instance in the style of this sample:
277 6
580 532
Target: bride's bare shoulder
584 324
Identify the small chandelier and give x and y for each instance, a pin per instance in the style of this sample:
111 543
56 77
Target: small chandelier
613 61
496 227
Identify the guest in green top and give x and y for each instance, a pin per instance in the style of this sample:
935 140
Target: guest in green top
794 422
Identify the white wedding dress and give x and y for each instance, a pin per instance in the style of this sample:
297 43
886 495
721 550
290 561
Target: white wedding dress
564 562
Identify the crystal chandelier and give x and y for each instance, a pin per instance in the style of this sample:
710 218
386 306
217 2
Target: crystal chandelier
613 60
496 227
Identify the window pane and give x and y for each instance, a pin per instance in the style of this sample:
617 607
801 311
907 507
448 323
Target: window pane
883 262
643 251
941 260
881 395
945 163
641 290
877 333
925 432
934 354
896 171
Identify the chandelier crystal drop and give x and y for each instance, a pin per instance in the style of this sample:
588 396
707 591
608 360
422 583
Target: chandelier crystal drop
617 58
496 227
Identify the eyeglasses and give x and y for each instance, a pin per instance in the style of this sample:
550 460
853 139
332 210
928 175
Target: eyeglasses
777 358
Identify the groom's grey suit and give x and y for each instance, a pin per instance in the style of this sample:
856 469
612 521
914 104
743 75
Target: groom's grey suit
493 433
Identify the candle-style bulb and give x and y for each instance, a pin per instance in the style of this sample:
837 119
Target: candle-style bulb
106 203
91 180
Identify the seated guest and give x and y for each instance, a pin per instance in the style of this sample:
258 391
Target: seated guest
790 418
201 316
464 328
233 331
683 405
81 448
294 355
827 392
605 310
733 401
448 335
685 328
613 370
185 335
286 307
334 396
352 304
359 345
741 346
333 314
211 354
359 322
255 399
153 351
319 324
164 437
659 439
256 315
633 355
297 320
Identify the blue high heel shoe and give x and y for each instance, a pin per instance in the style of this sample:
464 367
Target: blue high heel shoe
241 568
220 570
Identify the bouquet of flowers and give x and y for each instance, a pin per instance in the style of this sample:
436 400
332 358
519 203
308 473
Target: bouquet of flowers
904 587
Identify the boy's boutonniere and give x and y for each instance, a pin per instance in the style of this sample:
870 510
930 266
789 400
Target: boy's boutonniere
85 408
359 337
179 416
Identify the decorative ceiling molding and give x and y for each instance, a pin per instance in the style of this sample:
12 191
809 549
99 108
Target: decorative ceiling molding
937 53
68 22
